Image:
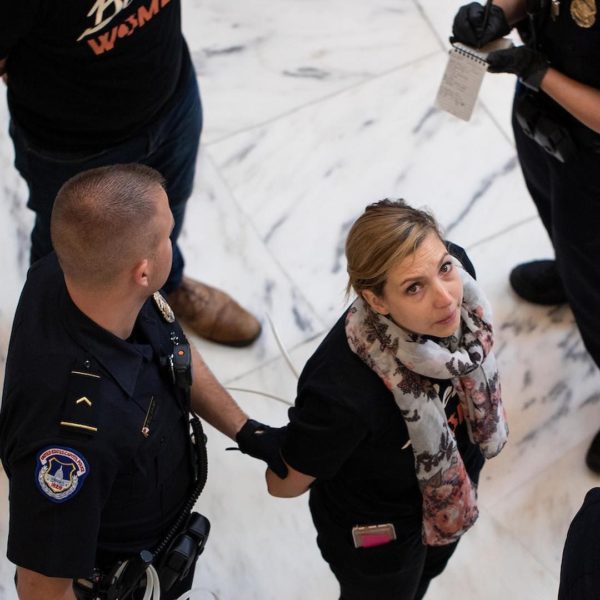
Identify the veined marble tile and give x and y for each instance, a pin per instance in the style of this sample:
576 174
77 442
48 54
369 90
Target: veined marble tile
345 90
7 569
221 247
491 564
550 385
258 60
303 179
15 224
539 513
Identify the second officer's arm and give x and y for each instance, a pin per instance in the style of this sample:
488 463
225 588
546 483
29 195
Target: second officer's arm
582 101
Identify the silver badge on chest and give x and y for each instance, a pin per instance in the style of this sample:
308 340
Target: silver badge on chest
165 310
583 12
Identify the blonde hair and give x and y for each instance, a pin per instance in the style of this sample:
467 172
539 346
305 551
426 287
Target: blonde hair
386 233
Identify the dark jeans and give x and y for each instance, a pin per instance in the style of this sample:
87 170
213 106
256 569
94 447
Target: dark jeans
409 583
567 196
169 145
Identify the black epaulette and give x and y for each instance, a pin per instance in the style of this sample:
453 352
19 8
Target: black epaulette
79 412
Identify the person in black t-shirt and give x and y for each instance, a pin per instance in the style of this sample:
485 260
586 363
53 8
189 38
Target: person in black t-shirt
396 410
94 83
94 426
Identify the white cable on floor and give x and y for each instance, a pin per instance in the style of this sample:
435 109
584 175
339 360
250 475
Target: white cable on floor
282 349
287 359
259 393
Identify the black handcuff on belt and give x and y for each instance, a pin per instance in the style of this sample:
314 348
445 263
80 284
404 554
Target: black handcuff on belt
178 551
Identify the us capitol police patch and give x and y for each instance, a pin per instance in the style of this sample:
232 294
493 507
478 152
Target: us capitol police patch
60 472
165 310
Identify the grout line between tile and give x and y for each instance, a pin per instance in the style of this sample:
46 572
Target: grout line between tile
518 540
538 476
427 20
251 224
316 101
502 232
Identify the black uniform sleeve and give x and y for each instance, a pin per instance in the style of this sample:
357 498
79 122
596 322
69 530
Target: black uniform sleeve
322 434
58 485
16 19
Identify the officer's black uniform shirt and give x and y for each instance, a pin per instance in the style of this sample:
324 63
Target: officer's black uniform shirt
93 436
346 430
571 49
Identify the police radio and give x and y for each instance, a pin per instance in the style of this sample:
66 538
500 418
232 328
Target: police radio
180 363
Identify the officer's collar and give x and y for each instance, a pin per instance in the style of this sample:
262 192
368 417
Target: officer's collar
123 360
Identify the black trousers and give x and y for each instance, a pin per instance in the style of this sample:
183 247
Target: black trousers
408 583
580 568
567 196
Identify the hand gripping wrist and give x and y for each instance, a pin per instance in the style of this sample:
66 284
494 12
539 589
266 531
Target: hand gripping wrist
263 442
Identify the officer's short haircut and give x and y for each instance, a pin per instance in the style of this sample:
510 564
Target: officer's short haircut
102 221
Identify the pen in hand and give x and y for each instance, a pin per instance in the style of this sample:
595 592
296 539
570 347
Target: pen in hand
486 16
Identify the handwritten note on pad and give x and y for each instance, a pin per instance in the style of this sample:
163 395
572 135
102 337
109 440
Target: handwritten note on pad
462 78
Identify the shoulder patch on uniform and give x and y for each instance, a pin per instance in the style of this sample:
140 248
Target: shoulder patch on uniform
60 472
165 310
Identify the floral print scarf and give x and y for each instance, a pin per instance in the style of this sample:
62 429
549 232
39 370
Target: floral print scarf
405 361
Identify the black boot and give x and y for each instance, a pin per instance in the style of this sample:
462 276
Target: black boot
538 282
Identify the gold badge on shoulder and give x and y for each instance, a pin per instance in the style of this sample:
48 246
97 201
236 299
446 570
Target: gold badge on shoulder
165 310
583 12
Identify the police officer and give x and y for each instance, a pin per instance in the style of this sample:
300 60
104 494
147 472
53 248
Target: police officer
556 123
94 427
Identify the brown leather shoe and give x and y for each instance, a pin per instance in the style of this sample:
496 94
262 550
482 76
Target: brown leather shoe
213 314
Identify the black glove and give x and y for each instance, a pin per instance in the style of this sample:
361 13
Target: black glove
529 65
263 442
468 26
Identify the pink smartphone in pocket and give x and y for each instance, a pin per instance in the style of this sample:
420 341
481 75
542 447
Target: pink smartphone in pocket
368 536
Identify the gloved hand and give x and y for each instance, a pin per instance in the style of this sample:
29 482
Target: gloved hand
529 65
468 25
263 442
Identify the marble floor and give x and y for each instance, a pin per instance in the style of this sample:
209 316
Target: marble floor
313 109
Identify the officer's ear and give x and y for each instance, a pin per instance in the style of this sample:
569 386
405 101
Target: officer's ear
141 273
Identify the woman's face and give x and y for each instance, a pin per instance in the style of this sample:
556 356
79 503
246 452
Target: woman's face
423 292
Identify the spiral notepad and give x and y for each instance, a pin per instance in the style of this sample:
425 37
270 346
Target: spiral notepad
462 78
